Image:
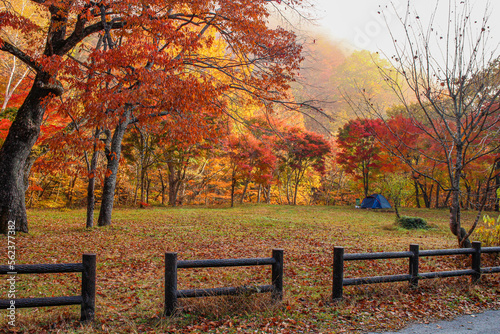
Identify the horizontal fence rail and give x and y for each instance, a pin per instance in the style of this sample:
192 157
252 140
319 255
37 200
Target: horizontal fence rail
86 299
43 268
171 266
413 276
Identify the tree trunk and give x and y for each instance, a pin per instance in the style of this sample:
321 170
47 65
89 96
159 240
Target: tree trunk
455 222
181 188
14 153
173 184
259 193
298 178
148 186
233 186
417 195
425 195
247 181
71 189
91 194
295 191
143 186
437 196
366 184
91 186
163 187
497 184
397 211
287 189
113 157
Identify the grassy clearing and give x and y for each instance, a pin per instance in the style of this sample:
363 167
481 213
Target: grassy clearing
130 270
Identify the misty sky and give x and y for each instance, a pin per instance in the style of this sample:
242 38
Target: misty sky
358 23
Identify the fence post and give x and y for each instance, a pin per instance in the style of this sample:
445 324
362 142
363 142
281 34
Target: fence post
277 276
414 262
338 273
88 287
170 283
476 261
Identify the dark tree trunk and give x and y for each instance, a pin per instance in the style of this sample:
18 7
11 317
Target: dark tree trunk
397 211
173 184
91 186
366 180
497 186
233 186
244 191
163 187
113 157
90 201
447 199
437 196
455 219
298 178
14 154
289 197
259 193
148 186
295 190
417 195
143 186
71 189
426 196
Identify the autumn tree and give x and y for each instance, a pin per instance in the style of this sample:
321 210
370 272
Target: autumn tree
358 152
251 160
450 74
299 151
334 189
397 187
128 60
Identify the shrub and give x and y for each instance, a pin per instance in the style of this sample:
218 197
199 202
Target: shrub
489 233
412 223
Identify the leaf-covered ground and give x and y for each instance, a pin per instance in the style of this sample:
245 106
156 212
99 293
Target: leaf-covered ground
130 270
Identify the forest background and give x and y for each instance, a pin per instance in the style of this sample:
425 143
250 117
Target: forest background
249 153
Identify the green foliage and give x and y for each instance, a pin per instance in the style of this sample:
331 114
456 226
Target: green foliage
489 233
397 187
412 223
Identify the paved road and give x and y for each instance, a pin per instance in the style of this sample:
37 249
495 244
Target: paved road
481 323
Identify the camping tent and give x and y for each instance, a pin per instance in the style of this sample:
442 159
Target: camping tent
375 201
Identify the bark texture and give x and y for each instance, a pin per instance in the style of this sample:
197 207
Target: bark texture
14 154
113 162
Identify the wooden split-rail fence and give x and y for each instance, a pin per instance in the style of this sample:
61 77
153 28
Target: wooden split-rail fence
86 300
413 276
172 294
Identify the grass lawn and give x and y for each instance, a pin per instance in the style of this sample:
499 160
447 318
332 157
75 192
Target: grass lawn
130 269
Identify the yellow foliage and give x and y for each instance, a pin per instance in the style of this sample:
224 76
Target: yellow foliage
489 234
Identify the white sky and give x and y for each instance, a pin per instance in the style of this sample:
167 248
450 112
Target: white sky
358 23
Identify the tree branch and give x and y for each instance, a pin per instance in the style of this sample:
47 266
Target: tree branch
13 50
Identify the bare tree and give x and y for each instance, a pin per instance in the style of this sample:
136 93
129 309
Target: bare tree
452 75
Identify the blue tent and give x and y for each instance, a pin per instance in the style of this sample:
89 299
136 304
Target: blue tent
375 201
